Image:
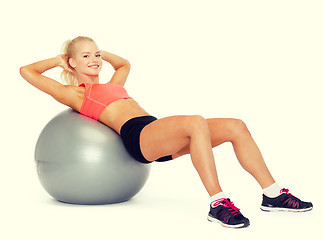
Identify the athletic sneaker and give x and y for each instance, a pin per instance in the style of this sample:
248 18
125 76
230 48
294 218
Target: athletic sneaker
285 202
224 212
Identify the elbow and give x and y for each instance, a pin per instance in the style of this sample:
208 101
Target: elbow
22 71
25 72
127 64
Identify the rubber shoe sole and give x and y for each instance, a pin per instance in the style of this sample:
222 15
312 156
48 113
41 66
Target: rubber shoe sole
210 218
276 209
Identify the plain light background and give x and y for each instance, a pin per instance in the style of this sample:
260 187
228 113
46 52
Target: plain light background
259 61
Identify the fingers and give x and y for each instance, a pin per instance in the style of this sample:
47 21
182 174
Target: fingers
68 68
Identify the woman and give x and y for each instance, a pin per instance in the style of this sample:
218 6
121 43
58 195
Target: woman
149 139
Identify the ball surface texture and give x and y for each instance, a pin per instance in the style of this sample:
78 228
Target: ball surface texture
82 161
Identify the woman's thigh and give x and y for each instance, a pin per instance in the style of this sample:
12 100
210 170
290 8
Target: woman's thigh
221 130
165 136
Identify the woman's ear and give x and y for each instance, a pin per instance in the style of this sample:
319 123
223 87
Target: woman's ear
71 62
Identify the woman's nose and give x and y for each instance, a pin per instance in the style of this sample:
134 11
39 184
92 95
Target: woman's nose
93 59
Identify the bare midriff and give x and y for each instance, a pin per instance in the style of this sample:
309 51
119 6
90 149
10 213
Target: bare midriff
119 112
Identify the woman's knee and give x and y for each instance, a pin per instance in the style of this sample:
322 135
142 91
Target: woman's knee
197 123
238 128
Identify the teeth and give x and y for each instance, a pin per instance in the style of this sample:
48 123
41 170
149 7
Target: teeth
94 66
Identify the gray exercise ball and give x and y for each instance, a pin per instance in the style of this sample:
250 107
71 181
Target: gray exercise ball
82 161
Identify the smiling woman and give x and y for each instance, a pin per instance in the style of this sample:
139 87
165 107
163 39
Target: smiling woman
81 52
149 139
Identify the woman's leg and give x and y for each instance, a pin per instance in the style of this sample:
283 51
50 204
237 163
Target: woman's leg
169 135
235 131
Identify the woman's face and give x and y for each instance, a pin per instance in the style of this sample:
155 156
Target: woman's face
86 59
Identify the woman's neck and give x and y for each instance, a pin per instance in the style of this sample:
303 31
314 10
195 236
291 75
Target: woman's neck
82 78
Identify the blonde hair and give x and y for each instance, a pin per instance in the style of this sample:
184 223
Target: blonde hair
68 49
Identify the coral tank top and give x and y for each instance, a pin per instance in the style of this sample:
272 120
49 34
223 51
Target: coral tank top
99 96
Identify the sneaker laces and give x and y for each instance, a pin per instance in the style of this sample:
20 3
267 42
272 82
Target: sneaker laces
230 206
285 190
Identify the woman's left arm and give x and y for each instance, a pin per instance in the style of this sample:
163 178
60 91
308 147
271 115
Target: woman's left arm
120 65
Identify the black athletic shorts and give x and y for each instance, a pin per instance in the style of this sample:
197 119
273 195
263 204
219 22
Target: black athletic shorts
130 135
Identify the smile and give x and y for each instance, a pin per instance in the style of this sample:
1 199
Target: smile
96 66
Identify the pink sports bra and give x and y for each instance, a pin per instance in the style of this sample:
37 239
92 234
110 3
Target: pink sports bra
99 96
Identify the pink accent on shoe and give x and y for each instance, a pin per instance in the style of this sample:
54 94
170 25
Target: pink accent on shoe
217 202
224 202
291 203
284 190
225 216
233 209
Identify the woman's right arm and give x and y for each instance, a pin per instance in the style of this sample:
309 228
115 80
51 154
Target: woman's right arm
33 74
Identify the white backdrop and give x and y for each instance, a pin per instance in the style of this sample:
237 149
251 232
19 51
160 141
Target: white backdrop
259 61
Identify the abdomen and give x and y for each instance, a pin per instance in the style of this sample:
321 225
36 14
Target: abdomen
119 112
